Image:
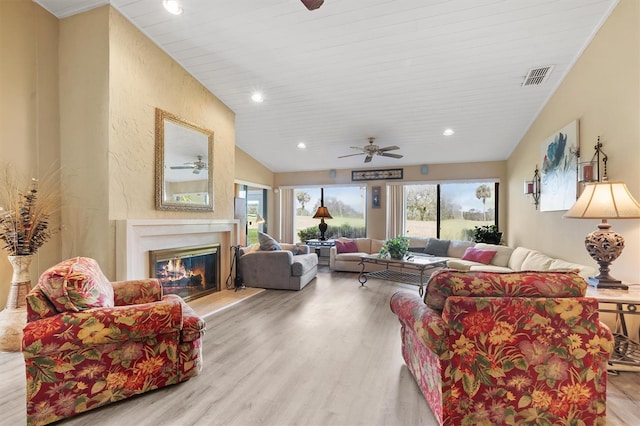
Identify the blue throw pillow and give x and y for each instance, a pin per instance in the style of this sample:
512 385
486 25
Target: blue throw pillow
267 243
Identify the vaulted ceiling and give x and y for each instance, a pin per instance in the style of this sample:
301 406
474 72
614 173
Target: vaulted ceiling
402 71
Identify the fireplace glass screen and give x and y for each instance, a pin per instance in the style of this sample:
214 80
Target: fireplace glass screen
189 272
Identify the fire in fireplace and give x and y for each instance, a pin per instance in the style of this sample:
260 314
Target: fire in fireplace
189 272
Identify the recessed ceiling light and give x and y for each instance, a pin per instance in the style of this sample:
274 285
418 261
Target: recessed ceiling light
257 97
302 145
448 132
173 6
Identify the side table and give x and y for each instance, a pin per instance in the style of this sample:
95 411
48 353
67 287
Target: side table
321 247
622 303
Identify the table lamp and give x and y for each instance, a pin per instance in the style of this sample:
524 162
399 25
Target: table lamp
322 213
605 200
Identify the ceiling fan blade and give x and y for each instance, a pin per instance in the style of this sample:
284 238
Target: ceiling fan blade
351 155
312 4
196 171
181 167
386 154
368 158
389 148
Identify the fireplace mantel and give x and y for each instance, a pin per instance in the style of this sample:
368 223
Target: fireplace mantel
135 237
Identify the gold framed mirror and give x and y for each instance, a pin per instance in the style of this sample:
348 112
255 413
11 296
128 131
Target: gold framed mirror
184 164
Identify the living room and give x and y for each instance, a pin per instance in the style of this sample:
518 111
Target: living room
76 95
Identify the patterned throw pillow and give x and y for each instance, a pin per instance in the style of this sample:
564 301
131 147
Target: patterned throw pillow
346 246
77 284
477 255
267 243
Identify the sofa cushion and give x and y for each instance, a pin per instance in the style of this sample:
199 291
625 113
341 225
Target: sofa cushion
437 247
457 248
363 244
536 261
346 246
517 257
489 268
267 242
77 284
503 253
303 263
583 270
478 255
376 246
353 257
445 283
460 265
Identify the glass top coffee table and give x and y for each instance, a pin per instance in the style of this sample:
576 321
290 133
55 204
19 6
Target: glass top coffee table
412 269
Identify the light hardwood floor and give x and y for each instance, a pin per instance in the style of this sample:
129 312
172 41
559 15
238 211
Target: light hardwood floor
327 355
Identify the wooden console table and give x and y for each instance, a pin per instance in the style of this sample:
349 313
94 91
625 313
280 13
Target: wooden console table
621 303
410 270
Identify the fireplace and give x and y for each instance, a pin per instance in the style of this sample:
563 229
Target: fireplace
189 272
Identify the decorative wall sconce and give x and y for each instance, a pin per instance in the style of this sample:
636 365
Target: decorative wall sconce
532 188
589 171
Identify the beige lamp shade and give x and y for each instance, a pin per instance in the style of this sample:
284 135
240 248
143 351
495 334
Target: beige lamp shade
605 200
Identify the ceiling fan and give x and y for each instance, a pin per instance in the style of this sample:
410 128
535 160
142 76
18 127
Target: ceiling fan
197 166
312 4
371 150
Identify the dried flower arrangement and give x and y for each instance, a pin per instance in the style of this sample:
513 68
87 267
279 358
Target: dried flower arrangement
25 213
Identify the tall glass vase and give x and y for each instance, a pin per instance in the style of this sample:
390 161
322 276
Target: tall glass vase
14 317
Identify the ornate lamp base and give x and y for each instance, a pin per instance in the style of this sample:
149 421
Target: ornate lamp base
604 246
323 228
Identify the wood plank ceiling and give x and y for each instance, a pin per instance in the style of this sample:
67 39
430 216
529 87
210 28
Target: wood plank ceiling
399 70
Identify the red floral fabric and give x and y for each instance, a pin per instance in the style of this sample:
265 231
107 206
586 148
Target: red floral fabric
507 360
77 361
445 283
77 284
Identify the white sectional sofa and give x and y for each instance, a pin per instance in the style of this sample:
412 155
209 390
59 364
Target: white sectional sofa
506 259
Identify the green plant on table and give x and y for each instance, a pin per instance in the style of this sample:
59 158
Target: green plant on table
395 248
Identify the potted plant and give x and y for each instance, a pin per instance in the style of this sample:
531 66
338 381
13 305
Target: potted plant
396 247
488 234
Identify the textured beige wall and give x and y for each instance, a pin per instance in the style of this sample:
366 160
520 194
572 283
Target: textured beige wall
602 91
84 136
112 79
29 138
376 218
142 78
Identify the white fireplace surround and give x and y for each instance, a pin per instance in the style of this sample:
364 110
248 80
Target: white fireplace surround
135 237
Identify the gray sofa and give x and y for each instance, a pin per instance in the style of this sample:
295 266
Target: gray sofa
278 269
507 259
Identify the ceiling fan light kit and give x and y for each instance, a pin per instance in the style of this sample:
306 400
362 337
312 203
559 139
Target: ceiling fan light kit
372 149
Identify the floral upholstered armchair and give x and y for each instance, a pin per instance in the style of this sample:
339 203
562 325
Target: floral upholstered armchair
507 348
89 342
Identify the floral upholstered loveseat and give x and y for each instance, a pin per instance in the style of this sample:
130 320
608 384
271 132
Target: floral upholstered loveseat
89 342
507 348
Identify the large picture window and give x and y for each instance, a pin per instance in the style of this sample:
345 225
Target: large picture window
449 210
346 204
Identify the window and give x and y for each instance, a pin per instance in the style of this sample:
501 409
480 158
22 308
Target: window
256 199
346 204
449 210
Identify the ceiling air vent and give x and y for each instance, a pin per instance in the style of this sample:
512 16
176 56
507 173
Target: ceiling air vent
537 76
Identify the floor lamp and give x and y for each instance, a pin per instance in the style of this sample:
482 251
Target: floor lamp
605 200
322 213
